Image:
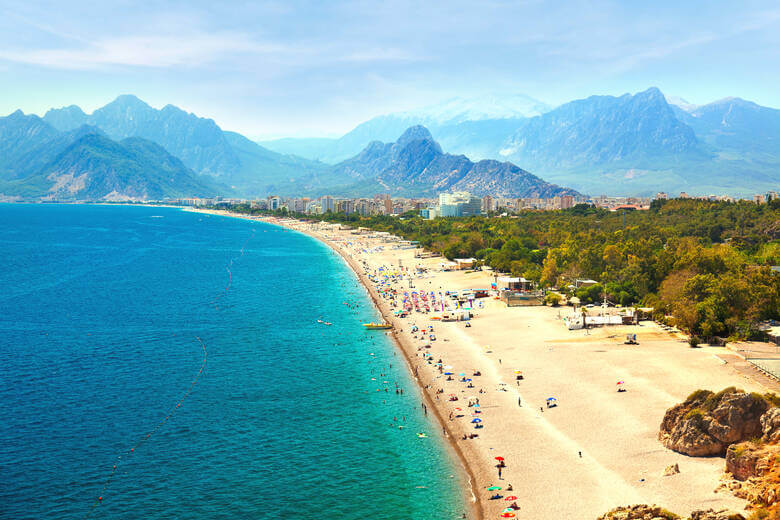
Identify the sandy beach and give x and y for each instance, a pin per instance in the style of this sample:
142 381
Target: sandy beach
598 448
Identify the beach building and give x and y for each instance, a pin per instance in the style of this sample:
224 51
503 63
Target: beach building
509 283
465 263
448 266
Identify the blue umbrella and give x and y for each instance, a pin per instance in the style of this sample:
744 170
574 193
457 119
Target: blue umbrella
468 379
551 399
477 405
447 373
476 420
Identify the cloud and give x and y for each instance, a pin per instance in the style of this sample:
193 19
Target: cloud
143 51
378 55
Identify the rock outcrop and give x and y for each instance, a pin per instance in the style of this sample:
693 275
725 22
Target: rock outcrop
749 459
672 469
707 423
770 425
647 512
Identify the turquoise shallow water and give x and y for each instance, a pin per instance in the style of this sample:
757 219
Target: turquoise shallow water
100 312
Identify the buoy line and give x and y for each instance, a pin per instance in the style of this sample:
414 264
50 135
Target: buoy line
160 424
146 437
230 273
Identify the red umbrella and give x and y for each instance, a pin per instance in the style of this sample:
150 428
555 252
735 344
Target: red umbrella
499 458
508 515
511 497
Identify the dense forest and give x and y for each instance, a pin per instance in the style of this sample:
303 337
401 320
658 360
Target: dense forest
705 265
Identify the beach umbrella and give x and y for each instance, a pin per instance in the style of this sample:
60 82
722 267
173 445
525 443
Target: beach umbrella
494 488
549 399
508 515
476 420
448 367
518 371
468 379
499 458
507 510
462 374
620 382
511 497
448 373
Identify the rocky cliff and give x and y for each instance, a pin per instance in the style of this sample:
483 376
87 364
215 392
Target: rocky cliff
746 428
707 423
646 512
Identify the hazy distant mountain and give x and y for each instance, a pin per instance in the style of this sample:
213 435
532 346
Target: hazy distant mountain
19 134
39 161
66 118
631 144
736 125
199 142
474 126
602 130
416 165
641 144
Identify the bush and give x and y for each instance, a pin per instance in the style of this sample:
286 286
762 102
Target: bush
552 299
696 416
759 514
699 395
737 449
694 341
665 513
772 399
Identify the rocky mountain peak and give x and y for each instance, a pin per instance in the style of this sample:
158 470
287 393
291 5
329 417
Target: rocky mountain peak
414 133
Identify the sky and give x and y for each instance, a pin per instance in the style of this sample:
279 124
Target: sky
293 68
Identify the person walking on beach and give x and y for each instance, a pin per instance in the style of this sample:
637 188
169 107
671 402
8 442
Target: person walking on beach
519 402
499 471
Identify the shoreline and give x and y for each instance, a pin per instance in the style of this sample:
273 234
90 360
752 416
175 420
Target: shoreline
596 444
472 502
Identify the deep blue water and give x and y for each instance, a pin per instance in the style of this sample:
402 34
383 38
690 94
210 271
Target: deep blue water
101 309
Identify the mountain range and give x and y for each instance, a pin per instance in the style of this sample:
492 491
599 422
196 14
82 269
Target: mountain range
468 125
40 162
230 158
416 165
629 144
129 150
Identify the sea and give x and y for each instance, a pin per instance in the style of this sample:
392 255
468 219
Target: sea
163 364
